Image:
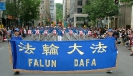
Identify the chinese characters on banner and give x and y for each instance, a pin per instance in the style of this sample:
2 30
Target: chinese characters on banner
53 50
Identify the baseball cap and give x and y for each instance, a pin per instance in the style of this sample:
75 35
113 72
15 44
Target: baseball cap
16 29
110 30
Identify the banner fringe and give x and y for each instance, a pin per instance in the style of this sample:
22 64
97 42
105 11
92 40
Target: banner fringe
64 72
10 53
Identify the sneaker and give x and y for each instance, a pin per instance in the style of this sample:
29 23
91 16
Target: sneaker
131 54
109 72
17 73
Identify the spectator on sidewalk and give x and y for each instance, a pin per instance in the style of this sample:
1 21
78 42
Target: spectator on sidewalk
1 35
131 40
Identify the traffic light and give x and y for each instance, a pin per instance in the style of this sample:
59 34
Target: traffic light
116 1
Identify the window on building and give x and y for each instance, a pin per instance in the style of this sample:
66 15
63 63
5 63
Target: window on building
72 20
51 11
86 1
79 10
80 2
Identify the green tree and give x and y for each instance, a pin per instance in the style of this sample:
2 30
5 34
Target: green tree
29 10
13 8
130 2
25 10
100 9
59 10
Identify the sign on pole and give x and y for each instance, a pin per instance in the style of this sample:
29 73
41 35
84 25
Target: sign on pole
2 6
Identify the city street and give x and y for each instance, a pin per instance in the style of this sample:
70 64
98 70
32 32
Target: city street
125 65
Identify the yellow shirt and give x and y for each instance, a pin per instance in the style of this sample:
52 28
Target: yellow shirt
0 26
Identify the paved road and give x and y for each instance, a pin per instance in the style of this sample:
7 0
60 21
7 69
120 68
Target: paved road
125 65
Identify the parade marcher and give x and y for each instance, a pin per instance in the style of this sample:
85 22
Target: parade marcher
74 35
41 33
59 35
16 37
54 35
81 34
110 36
89 34
85 34
63 33
33 34
45 35
30 33
70 34
37 34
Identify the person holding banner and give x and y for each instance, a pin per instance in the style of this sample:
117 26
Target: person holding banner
16 37
110 36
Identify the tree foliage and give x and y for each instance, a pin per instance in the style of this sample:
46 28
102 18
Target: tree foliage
29 10
59 10
13 8
100 8
26 10
130 2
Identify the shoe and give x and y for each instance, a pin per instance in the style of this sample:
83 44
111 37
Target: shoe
131 55
17 73
109 72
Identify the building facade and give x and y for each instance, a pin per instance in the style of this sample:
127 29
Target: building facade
44 12
47 9
126 16
52 10
66 9
76 9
